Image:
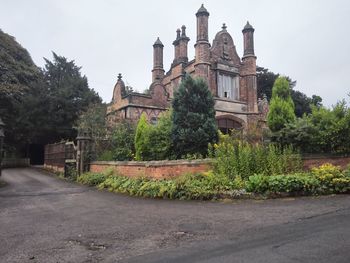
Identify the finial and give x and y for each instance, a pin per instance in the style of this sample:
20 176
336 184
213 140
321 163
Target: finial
178 33
248 27
224 26
202 11
158 43
183 33
119 76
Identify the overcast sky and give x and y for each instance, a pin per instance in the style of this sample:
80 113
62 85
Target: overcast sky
307 40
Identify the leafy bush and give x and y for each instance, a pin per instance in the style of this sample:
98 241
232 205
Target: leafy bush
106 155
190 186
153 142
325 130
70 172
93 179
325 179
123 148
257 184
141 138
291 183
233 158
332 179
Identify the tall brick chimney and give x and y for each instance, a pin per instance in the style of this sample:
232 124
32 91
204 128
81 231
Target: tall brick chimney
249 65
202 45
183 45
248 39
158 70
176 47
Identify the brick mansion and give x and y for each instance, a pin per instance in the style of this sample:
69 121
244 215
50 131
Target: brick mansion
231 79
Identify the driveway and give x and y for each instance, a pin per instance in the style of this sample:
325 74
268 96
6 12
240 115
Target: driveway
46 219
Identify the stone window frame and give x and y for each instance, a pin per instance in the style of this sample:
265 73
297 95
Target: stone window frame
231 95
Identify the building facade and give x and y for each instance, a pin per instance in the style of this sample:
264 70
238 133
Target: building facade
231 79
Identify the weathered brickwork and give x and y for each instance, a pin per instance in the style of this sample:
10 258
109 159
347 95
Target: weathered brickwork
230 78
171 169
343 162
154 169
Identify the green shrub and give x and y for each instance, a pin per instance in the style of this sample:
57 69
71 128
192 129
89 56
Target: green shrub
190 186
257 184
332 179
325 130
325 179
92 179
234 158
153 142
291 183
123 148
70 172
106 155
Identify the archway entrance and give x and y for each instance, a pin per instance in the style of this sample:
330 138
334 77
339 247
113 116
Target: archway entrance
227 124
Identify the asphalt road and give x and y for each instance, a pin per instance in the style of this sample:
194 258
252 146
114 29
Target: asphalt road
46 219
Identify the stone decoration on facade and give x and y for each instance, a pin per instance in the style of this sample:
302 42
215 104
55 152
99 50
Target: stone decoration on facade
263 106
231 79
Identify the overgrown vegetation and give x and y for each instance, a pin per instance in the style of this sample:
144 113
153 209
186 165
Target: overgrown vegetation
326 179
190 186
93 179
153 142
323 131
235 158
39 106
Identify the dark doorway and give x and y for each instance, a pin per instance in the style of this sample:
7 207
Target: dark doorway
227 125
36 154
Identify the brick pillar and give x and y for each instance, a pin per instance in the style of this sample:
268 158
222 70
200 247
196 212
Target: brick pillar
83 152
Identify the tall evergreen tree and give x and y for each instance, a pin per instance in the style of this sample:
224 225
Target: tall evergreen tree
281 105
68 95
194 125
39 106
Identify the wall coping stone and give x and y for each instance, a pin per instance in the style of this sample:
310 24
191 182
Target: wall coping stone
153 163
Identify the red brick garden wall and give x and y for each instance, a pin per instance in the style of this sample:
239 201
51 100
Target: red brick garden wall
154 169
310 162
168 169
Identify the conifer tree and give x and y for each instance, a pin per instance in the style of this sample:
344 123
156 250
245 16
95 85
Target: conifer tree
281 105
194 125
141 138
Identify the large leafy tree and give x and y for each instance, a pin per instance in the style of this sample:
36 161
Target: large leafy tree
39 106
20 81
281 105
194 125
324 130
303 103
